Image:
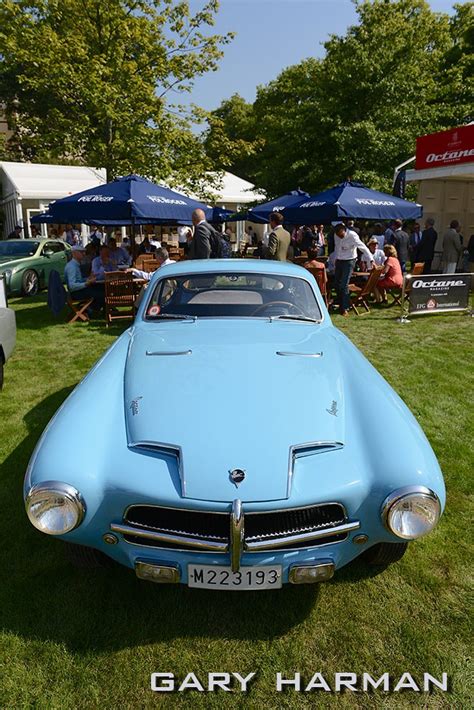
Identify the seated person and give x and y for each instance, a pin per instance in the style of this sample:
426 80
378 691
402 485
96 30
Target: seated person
102 264
88 257
79 286
312 262
146 247
118 255
391 277
162 257
378 254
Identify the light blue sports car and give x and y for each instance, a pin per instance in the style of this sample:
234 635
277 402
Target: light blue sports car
229 441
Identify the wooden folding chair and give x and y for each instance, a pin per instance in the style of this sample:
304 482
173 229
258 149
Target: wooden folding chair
78 307
119 294
322 280
150 265
360 293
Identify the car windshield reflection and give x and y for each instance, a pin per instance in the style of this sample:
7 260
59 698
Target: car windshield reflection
233 295
20 248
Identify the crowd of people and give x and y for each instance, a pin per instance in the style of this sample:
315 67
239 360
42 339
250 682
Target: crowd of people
392 246
346 246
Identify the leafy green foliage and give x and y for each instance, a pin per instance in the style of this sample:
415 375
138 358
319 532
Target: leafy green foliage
89 81
403 71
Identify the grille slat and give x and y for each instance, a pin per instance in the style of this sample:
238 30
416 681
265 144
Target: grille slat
215 526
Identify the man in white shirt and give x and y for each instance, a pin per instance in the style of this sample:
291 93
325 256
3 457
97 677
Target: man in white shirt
163 258
378 254
346 244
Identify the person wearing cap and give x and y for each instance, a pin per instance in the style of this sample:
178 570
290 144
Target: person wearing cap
16 234
378 255
80 286
346 244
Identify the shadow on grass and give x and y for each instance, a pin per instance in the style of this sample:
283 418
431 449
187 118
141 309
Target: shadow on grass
32 313
110 609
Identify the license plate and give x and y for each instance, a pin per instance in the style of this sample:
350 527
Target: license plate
217 577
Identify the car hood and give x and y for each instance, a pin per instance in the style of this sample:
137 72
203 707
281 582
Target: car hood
6 261
229 400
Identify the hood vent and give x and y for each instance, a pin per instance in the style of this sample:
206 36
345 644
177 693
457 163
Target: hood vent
168 450
300 451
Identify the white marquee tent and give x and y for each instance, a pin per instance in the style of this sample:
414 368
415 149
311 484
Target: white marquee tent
28 188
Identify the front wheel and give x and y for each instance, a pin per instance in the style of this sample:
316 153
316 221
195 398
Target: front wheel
30 283
385 553
86 557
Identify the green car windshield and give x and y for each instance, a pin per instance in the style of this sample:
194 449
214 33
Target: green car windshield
25 247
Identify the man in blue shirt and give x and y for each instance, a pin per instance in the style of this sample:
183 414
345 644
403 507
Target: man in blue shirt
80 287
102 264
118 255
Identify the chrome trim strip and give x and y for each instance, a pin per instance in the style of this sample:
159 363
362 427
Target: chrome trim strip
170 507
177 352
236 534
308 449
171 539
304 537
287 354
170 450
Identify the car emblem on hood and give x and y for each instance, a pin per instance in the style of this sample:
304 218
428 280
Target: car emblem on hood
333 409
134 405
237 476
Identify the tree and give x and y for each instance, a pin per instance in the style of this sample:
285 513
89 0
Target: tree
230 140
89 82
402 71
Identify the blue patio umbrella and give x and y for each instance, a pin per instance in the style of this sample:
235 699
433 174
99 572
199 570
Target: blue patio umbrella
220 214
261 213
350 200
127 200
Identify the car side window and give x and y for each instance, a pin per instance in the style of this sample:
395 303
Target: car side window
52 248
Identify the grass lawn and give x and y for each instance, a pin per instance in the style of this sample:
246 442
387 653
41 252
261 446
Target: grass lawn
71 639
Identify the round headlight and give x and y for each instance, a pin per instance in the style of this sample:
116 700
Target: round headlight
55 508
411 512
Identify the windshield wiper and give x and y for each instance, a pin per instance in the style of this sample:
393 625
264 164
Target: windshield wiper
295 317
172 316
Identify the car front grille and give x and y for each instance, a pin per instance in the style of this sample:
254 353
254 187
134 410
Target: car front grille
293 528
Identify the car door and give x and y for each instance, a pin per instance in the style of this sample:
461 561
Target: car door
54 257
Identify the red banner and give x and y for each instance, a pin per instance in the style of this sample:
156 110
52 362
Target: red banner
446 148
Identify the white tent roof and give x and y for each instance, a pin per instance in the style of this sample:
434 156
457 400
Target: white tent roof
236 190
48 182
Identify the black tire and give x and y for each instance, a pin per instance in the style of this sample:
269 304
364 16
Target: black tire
385 553
30 283
86 557
1 371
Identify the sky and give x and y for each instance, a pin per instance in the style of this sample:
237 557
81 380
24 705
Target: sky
298 29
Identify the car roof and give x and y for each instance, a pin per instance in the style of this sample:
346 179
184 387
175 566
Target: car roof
41 240
257 266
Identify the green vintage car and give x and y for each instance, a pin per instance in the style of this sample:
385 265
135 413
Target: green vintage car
27 263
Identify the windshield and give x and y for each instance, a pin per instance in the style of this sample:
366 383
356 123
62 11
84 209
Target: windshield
24 248
233 295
